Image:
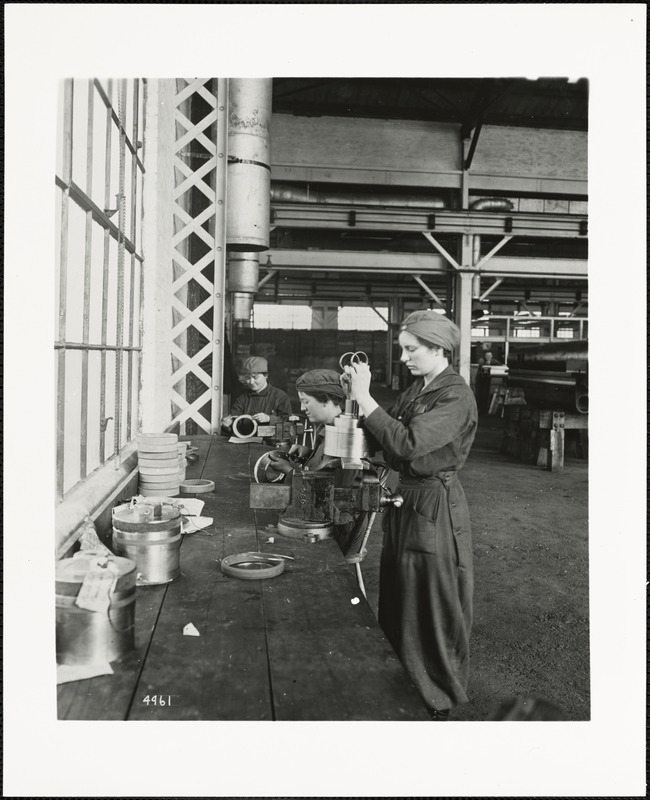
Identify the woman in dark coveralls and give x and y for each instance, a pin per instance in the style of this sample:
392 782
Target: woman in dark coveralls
263 402
426 572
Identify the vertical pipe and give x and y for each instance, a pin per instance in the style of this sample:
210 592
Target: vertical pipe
219 286
249 163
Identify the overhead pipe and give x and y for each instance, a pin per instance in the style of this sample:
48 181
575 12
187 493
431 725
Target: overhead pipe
491 204
249 164
284 193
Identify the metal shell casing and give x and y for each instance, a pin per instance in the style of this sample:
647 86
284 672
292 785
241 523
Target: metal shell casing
345 438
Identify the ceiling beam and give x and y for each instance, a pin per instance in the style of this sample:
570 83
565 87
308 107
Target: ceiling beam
421 263
377 218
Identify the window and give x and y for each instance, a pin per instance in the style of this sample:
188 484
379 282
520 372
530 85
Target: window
564 333
99 179
362 318
285 317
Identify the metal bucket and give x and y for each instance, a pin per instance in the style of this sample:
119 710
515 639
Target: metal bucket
86 637
150 535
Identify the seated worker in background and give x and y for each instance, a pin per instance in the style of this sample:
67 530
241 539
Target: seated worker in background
266 404
322 399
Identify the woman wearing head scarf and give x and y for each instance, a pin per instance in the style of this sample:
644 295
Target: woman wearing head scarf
426 572
322 399
263 402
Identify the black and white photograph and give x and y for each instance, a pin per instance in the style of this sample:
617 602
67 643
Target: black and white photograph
342 430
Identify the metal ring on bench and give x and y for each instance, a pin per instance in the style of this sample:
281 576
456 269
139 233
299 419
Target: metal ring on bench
252 566
244 427
197 486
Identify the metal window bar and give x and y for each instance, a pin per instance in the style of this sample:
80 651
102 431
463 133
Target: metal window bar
86 204
125 351
83 438
119 324
63 265
132 233
132 146
107 234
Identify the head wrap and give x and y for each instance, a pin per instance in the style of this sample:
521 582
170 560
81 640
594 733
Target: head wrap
320 380
430 326
253 365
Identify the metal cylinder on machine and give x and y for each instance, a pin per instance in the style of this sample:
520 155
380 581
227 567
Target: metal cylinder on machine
345 439
242 306
249 164
243 277
243 272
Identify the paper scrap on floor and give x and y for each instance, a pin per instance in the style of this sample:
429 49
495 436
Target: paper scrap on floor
66 673
190 630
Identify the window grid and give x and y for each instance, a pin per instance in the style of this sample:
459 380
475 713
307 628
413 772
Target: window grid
97 263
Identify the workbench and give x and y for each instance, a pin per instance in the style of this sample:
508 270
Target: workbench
304 645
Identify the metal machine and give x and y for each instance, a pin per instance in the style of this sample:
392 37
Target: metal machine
552 375
312 503
245 428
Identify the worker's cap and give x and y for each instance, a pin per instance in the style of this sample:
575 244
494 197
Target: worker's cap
430 326
326 381
253 365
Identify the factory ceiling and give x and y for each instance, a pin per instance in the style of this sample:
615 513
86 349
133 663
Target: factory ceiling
546 102
553 102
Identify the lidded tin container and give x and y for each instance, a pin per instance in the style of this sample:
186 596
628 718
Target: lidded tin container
84 636
150 535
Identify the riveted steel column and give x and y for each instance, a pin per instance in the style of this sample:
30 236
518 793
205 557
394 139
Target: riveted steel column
219 286
463 315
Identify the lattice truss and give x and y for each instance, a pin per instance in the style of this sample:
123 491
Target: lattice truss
193 253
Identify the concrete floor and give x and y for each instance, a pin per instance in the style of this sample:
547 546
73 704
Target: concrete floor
531 604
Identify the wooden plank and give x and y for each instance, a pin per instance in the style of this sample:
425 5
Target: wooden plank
327 658
221 674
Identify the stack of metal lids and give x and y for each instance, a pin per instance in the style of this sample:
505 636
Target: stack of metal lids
158 464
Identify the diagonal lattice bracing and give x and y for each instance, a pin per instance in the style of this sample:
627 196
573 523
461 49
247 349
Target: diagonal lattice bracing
193 252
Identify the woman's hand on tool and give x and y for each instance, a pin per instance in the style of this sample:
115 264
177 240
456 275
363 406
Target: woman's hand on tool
299 450
358 377
227 422
279 464
261 417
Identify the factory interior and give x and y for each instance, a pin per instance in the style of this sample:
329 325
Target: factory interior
300 220
213 231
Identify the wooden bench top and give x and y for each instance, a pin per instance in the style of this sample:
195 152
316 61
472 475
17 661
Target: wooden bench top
293 647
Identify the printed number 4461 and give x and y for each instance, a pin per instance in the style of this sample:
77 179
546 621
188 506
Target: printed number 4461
158 699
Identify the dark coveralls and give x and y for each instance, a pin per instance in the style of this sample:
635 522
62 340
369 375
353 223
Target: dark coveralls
426 572
270 400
